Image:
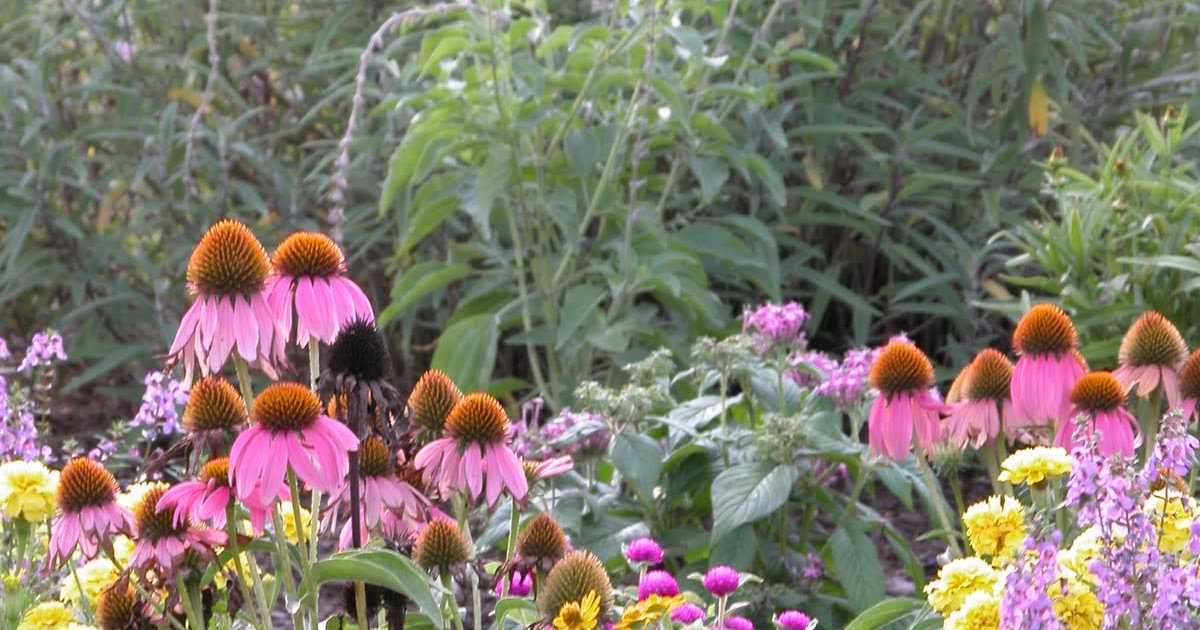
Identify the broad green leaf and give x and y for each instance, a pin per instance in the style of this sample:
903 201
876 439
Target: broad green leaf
466 351
747 492
856 563
770 178
578 303
712 173
511 605
489 181
582 151
419 281
885 612
639 458
384 568
446 47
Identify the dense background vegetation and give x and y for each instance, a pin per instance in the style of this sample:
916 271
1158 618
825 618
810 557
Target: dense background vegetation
564 186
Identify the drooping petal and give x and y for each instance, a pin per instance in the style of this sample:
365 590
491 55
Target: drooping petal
245 328
187 327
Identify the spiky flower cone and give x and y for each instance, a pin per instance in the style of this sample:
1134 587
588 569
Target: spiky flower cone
115 608
1100 399
1150 354
441 545
577 574
984 386
1047 368
88 512
903 375
543 542
431 399
215 412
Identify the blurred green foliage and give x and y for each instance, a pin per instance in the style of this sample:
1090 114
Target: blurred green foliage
555 188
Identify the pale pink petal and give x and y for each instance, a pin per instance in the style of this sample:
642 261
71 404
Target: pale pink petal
275 469
301 460
245 330
512 472
208 323
1170 383
473 467
187 328
1147 380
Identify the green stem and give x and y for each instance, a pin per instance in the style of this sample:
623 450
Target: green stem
451 602
782 398
235 549
243 376
514 525
360 604
1152 421
476 601
302 540
189 597
314 362
83 598
283 561
957 492
724 385
935 493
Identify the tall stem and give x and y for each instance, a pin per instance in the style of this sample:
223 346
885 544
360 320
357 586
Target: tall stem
450 600
936 497
243 376
314 362
235 548
302 541
513 525
283 562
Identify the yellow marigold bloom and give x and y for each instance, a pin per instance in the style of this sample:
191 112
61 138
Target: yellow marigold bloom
289 521
47 616
94 575
579 615
647 611
1172 516
957 580
980 611
995 527
1034 465
27 490
123 549
1078 608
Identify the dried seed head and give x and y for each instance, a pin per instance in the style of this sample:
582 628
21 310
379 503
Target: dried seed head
576 575
374 458
308 254
286 407
478 418
359 351
229 260
214 405
1045 329
1152 340
216 471
1098 391
432 399
152 524
901 368
1189 376
542 540
441 545
114 606
990 375
85 483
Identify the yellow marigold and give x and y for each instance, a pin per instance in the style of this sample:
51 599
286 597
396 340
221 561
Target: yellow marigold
123 549
995 527
1034 465
94 575
289 521
51 615
1077 607
1172 516
647 611
980 611
579 615
27 490
958 579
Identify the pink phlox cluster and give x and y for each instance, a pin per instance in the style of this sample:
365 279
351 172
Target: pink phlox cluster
1025 604
844 383
43 349
576 434
161 401
775 325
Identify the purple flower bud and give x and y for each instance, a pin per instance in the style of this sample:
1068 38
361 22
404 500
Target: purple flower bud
738 623
687 613
793 620
644 550
721 580
657 583
520 584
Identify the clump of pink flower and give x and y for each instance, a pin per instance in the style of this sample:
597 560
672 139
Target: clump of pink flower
44 349
776 325
159 412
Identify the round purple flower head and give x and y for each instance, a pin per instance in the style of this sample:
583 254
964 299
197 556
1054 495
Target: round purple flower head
794 620
721 580
738 623
657 583
520 584
644 550
687 613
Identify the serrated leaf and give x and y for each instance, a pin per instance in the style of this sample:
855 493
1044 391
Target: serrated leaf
466 351
639 458
856 563
747 492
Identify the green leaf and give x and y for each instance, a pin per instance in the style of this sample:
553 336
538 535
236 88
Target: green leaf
466 351
582 151
747 492
384 568
510 605
419 281
770 178
578 302
639 458
712 173
488 183
447 47
856 563
884 613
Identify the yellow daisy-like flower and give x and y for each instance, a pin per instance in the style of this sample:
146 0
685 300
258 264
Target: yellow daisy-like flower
957 580
289 521
27 490
980 611
1078 608
123 549
48 616
995 527
579 615
647 611
1034 465
94 575
1172 516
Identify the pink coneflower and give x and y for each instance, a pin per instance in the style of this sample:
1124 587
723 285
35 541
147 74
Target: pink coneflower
476 442
1189 385
289 430
905 406
227 273
308 273
1048 366
549 468
1151 354
87 499
163 540
379 487
1100 398
207 498
984 383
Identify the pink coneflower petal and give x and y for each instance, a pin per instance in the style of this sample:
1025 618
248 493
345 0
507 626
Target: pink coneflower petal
1170 383
473 466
